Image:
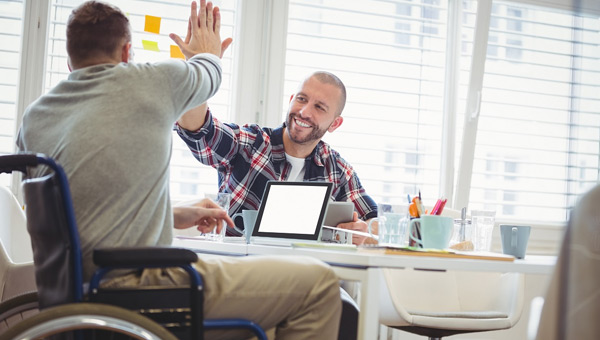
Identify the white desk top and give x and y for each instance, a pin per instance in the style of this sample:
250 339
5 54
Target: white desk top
532 264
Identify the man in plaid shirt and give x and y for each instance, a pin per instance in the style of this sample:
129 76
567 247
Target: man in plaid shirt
248 156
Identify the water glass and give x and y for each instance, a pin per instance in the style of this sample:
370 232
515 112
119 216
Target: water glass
482 222
222 200
392 224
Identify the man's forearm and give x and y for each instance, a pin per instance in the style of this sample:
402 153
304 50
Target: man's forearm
194 119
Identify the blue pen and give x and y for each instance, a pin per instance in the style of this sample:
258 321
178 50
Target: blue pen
409 201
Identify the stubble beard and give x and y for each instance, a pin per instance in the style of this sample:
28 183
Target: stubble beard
315 133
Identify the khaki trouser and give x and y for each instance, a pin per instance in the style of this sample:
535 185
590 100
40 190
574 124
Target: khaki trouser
297 296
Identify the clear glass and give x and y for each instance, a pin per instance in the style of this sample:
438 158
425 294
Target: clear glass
482 222
392 224
223 200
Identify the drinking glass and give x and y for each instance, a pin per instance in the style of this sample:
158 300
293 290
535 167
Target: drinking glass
482 222
222 200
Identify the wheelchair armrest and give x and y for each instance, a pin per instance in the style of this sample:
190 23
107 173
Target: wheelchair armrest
142 256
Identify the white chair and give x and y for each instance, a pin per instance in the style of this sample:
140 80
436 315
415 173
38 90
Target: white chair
16 257
438 304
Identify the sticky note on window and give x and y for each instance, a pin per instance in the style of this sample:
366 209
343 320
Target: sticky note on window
152 24
150 45
176 52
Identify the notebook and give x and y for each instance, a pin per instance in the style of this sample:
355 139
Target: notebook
291 212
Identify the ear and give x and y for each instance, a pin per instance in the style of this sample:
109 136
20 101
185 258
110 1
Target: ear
69 64
291 97
125 56
336 123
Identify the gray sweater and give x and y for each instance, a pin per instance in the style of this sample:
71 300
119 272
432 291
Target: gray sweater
110 127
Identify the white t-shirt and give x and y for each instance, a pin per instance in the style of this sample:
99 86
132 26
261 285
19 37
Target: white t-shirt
298 168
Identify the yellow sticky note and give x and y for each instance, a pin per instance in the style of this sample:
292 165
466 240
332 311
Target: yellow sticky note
152 24
176 52
150 45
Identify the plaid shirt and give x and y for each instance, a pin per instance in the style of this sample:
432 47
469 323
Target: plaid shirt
247 157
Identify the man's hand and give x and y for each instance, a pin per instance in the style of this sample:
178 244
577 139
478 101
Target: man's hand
203 34
204 214
358 225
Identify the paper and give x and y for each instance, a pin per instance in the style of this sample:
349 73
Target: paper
176 52
150 45
152 24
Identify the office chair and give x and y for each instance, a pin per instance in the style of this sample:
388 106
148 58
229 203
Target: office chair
437 304
58 270
572 304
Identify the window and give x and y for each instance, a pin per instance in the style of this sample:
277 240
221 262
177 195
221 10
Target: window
538 132
539 124
390 55
189 178
10 43
536 144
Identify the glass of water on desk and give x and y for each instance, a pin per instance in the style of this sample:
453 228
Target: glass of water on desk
482 222
222 200
392 224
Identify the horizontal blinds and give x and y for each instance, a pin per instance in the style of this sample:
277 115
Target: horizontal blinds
390 55
538 138
189 178
11 13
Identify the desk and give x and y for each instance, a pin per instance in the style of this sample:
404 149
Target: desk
366 268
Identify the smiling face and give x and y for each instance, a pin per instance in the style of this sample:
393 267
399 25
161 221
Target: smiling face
314 110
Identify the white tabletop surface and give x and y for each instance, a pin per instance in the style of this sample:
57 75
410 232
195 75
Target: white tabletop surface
532 264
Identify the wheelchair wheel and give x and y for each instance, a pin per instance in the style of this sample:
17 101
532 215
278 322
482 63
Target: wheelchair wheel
94 319
18 308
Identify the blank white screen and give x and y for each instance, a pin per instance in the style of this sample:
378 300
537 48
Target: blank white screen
292 209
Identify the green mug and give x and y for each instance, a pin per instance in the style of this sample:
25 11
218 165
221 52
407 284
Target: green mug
433 231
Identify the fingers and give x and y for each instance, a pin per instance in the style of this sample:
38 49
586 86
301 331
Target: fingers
224 45
194 14
209 17
202 14
188 35
217 18
176 39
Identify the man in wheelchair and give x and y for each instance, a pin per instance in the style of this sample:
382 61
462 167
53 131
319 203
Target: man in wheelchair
109 125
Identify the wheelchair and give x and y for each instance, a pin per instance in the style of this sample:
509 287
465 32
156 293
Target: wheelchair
67 310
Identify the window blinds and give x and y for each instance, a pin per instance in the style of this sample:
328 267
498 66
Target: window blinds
11 13
390 55
538 138
10 43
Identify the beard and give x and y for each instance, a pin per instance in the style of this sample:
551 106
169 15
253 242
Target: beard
315 133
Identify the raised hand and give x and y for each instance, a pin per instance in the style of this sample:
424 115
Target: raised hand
203 34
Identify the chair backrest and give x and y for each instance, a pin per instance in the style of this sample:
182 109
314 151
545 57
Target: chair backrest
16 258
572 304
52 229
13 230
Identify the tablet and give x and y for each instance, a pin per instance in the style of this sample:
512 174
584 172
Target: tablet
338 212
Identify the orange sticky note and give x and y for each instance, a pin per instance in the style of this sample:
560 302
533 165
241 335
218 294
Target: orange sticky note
176 52
152 24
150 45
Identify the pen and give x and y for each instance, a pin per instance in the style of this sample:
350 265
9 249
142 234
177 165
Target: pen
442 205
435 208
